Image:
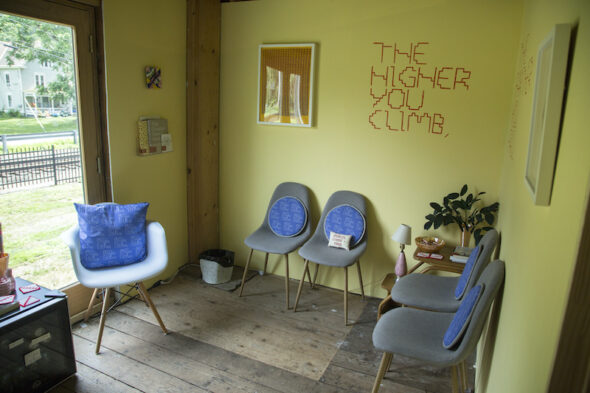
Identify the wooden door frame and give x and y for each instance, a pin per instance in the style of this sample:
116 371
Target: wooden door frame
91 94
571 366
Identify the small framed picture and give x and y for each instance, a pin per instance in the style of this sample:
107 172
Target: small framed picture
285 84
153 77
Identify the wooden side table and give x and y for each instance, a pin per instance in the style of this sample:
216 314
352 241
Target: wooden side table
427 265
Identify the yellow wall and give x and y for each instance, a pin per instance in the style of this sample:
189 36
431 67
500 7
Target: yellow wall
540 243
399 173
136 34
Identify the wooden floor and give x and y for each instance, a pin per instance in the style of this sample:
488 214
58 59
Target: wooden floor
220 342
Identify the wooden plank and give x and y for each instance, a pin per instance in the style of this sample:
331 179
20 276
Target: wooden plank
355 381
129 371
172 363
252 370
89 380
202 122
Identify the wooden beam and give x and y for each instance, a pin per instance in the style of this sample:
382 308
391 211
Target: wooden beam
202 141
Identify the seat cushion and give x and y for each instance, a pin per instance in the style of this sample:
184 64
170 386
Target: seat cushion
467 271
346 220
287 217
462 317
427 292
111 234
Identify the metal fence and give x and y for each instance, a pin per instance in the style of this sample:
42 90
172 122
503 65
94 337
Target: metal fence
27 167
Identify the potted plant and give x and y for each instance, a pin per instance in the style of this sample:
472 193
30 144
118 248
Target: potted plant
459 208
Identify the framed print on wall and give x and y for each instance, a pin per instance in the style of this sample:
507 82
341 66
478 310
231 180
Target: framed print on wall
547 104
285 84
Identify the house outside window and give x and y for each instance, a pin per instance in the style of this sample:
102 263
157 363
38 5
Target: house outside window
7 79
9 100
39 80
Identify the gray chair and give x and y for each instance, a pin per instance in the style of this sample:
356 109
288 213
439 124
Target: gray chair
317 250
419 334
266 240
437 293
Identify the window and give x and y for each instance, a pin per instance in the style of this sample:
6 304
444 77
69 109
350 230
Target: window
39 80
9 99
46 63
7 79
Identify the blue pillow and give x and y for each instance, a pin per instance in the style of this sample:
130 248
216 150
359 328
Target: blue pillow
467 270
111 234
462 317
345 220
287 217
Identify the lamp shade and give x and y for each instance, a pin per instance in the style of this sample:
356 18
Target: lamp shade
403 235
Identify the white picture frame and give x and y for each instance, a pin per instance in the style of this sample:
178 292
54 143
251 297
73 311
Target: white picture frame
552 59
282 101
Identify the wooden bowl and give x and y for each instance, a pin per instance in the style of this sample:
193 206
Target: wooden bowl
429 243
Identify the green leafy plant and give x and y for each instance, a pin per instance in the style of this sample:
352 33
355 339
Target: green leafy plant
459 208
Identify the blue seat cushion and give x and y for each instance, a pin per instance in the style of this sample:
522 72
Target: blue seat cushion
467 270
287 217
111 234
345 220
462 317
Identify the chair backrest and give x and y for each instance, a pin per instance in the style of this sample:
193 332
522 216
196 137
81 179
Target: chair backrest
351 198
492 279
291 189
488 243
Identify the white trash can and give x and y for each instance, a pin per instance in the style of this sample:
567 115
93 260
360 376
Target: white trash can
217 266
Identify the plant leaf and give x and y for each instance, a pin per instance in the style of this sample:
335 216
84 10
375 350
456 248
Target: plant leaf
464 190
435 206
453 195
428 225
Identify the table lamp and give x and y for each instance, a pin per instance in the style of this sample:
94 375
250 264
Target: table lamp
403 236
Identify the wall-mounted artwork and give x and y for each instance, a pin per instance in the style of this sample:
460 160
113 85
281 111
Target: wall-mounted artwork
285 84
547 104
153 77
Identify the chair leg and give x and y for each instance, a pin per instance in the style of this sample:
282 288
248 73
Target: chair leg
246 271
309 278
287 280
345 295
141 296
455 379
87 315
146 296
305 269
358 268
385 361
463 369
265 264
103 317
315 275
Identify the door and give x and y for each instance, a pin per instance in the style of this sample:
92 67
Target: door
89 85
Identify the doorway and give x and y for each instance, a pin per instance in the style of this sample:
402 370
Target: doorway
50 50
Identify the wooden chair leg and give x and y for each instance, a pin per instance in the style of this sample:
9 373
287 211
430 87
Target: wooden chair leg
146 296
455 379
141 296
315 275
463 369
87 315
358 268
246 271
103 317
385 361
309 278
345 295
305 268
265 264
287 280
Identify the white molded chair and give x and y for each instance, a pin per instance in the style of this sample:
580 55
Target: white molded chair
109 277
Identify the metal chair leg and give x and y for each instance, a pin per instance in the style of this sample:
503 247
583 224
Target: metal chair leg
385 361
287 280
148 299
103 317
315 275
305 268
87 315
358 268
265 264
246 271
345 295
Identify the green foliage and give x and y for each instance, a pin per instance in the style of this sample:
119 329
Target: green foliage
31 39
459 208
31 126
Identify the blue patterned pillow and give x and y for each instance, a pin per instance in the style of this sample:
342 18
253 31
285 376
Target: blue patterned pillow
345 220
111 234
462 317
467 270
287 217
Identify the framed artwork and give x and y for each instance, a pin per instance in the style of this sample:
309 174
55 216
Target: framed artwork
285 84
153 77
547 104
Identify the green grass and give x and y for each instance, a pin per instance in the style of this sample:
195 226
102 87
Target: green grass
31 126
66 143
32 221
